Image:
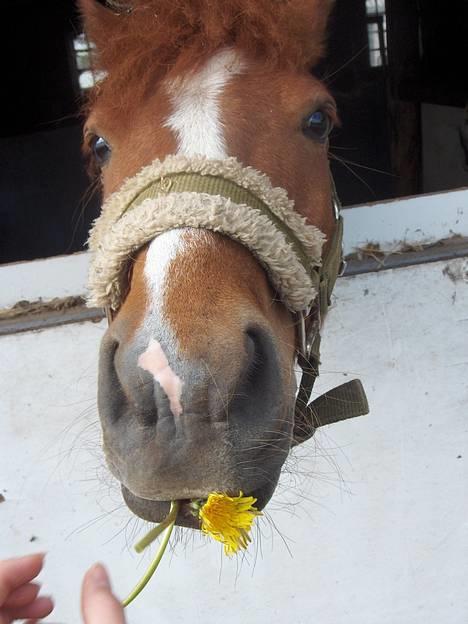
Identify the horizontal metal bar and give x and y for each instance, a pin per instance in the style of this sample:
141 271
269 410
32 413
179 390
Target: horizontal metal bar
45 320
436 253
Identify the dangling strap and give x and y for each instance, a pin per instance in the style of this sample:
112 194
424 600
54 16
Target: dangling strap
348 400
341 403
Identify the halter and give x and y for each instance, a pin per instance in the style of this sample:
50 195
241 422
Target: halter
225 197
347 400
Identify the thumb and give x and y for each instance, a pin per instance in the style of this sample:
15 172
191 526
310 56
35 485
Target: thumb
98 603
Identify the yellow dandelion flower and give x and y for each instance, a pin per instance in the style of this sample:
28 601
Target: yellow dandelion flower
228 519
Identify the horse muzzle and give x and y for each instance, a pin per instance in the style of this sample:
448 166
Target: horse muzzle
232 434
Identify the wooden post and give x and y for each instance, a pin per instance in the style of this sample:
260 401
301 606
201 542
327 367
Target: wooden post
405 109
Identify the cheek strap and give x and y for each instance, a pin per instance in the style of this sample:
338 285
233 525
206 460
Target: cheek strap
347 400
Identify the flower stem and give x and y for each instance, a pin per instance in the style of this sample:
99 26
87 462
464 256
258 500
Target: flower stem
167 523
158 529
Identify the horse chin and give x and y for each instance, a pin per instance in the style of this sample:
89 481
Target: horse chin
155 511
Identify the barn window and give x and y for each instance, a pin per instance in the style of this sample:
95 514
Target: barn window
376 32
83 49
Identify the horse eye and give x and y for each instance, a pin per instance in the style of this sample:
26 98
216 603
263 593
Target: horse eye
101 150
318 126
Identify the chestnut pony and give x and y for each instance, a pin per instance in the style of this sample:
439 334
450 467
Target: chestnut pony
197 385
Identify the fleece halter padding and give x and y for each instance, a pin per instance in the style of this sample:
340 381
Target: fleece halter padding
218 195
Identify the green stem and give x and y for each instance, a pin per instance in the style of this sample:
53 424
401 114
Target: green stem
168 523
158 529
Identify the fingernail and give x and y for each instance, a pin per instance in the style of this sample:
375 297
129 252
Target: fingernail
41 555
98 576
35 554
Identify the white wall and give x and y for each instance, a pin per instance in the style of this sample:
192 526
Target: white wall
61 276
418 220
373 511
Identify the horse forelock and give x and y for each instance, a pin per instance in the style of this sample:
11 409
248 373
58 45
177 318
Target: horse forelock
159 36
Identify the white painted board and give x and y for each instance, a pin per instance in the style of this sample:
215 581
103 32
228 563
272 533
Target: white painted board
370 520
61 276
420 220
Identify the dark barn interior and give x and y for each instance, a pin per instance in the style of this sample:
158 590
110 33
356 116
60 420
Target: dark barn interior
393 67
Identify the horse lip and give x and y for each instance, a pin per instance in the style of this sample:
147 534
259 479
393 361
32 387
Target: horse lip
156 511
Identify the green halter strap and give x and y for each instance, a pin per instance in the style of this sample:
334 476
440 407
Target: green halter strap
343 402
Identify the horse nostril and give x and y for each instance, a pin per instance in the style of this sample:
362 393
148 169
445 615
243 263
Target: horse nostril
107 372
255 354
122 389
259 379
110 391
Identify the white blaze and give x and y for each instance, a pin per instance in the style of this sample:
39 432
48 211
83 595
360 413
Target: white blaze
196 119
161 252
196 122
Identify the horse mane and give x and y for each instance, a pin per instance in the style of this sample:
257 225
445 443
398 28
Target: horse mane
154 36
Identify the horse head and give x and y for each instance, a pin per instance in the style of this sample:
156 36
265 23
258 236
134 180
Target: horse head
196 375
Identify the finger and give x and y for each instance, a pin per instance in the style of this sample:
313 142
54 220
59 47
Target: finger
17 572
22 596
40 608
98 604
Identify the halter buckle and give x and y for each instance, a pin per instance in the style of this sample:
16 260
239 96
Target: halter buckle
109 315
342 268
336 206
307 335
302 334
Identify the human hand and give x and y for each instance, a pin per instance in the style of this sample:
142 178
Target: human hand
18 595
